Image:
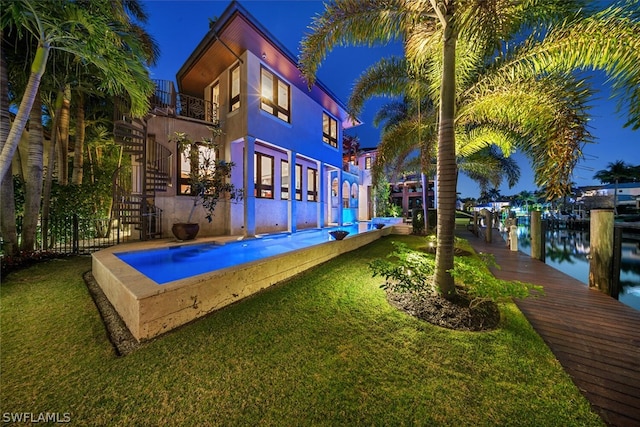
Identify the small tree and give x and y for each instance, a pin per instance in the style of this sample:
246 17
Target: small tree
208 176
382 196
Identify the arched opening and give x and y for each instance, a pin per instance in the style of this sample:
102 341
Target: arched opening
345 194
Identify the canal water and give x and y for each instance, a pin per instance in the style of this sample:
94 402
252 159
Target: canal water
568 250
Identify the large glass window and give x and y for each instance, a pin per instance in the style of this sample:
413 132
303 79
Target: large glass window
275 95
234 84
312 185
329 130
263 176
186 164
298 182
284 179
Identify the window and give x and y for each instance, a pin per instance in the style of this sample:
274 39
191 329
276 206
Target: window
298 182
275 95
215 93
367 162
263 176
234 93
215 102
312 185
284 179
188 163
329 130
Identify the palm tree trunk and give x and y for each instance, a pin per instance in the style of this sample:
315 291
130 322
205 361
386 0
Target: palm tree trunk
447 169
7 200
33 179
8 146
8 216
78 149
46 192
63 141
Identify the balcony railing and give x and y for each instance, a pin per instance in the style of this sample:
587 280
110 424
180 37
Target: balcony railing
352 169
166 99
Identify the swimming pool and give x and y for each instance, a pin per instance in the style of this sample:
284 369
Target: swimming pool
182 261
150 309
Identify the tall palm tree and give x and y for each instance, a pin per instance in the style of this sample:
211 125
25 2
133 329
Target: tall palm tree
68 65
404 149
567 36
526 197
616 172
95 38
484 129
8 208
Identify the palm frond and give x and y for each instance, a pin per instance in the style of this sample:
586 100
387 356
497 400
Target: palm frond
490 167
350 22
605 40
387 77
469 142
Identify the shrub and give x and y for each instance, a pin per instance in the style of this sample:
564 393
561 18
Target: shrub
408 270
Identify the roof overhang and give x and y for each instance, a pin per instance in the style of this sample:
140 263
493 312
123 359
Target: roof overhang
235 32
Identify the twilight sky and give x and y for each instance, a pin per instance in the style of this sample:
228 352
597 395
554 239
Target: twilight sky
178 26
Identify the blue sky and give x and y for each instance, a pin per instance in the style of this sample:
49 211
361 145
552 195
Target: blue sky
178 26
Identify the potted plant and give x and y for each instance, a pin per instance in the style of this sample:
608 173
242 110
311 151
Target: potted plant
208 178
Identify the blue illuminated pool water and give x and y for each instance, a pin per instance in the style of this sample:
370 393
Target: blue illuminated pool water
179 262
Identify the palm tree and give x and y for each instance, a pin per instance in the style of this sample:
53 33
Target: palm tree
526 197
400 151
580 38
73 65
8 208
68 26
617 172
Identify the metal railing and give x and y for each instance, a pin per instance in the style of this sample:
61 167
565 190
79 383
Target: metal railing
74 234
173 103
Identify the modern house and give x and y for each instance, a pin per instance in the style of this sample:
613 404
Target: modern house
627 196
285 139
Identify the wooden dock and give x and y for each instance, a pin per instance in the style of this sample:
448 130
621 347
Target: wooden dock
595 337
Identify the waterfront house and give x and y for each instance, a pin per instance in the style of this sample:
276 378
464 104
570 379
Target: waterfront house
285 139
597 197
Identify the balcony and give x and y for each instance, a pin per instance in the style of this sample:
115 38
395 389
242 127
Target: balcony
166 100
351 168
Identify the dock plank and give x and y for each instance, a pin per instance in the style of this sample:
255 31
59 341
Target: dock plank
595 337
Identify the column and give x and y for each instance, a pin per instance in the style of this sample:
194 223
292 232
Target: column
249 187
322 194
292 211
340 200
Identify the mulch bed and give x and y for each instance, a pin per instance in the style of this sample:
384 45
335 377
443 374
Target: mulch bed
454 314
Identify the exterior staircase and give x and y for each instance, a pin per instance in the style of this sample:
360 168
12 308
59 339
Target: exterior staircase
135 185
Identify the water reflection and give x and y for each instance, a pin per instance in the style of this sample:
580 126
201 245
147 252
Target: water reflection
568 250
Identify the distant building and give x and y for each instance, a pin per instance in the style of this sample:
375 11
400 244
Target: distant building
627 196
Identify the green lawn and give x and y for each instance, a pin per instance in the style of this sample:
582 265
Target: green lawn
324 348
